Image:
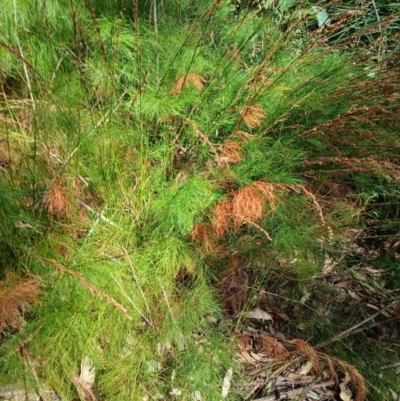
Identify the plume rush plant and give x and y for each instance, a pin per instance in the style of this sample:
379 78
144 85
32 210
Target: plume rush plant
149 118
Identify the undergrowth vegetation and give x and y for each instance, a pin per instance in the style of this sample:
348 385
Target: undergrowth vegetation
165 165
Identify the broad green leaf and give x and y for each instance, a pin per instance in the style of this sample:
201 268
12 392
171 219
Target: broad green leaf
322 17
285 4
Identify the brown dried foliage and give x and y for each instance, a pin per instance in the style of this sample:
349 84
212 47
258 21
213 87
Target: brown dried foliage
202 234
228 152
306 350
292 353
273 347
364 139
186 81
246 206
16 294
252 116
222 217
356 379
56 201
357 165
234 285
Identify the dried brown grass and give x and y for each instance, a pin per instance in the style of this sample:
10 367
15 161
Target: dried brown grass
222 217
16 294
186 81
356 379
202 234
246 205
234 286
304 349
292 354
228 152
56 201
364 139
252 116
273 347
357 165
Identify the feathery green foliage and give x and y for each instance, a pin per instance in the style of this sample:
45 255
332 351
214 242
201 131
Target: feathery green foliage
121 141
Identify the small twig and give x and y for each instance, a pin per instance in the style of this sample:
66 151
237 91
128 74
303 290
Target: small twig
378 19
28 81
58 66
131 301
167 302
315 202
182 345
94 290
390 366
259 228
352 329
202 136
99 215
383 322
139 286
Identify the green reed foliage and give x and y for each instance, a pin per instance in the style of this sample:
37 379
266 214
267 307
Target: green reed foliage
133 125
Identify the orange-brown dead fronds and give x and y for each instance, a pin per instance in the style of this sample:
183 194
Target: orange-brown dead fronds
56 201
273 348
356 165
264 353
304 349
202 233
186 81
244 135
222 217
356 379
16 294
234 287
246 206
269 192
252 116
228 152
